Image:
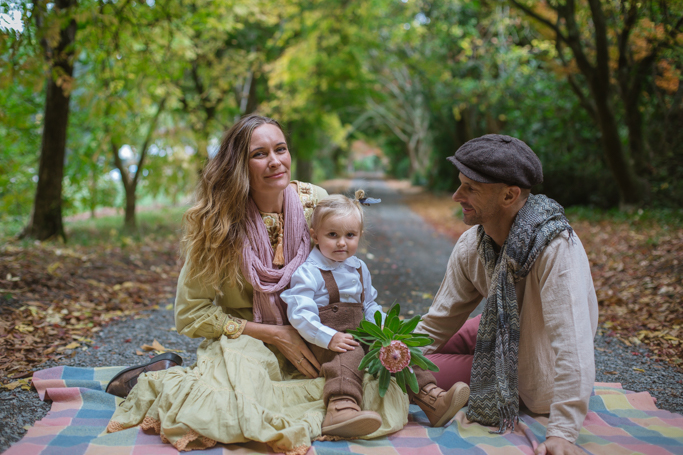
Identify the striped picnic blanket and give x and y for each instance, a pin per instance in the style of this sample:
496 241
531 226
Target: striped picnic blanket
619 422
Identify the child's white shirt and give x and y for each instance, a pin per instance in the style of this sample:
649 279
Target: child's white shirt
307 293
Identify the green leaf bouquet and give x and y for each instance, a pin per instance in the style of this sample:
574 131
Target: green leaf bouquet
393 349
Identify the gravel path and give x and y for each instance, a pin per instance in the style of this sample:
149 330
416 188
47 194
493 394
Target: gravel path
406 257
407 260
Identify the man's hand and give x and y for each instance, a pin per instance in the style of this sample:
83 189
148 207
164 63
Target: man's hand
342 342
555 445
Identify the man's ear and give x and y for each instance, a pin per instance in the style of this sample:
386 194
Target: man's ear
511 195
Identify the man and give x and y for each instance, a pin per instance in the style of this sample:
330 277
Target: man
533 345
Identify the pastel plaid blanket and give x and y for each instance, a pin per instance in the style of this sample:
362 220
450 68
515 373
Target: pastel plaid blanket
619 422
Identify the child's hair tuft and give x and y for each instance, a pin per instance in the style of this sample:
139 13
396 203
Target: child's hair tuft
337 205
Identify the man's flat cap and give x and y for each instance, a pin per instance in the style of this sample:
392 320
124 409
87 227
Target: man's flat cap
495 158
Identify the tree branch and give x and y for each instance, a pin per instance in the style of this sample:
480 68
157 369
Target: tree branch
582 98
601 44
332 145
529 12
572 39
585 102
148 140
630 21
568 13
388 120
125 176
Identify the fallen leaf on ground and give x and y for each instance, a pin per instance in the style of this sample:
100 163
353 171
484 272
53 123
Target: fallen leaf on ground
156 346
53 297
52 267
20 383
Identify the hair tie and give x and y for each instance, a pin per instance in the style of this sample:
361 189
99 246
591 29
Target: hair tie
368 200
363 200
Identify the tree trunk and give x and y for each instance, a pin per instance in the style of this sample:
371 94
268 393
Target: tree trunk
462 131
245 92
304 169
634 122
631 88
130 182
129 186
630 187
252 101
46 215
93 192
337 159
129 224
411 160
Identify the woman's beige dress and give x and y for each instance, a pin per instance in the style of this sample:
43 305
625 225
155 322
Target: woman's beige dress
240 389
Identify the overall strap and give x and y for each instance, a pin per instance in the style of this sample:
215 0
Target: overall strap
362 285
331 285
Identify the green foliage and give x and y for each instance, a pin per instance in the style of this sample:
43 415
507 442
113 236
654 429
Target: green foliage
105 230
21 117
668 218
417 79
378 336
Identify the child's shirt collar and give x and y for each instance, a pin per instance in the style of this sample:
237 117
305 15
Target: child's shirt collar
324 263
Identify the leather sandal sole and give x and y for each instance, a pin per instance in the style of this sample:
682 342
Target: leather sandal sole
358 426
458 400
170 356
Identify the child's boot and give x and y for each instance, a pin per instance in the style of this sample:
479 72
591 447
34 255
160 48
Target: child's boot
440 405
344 418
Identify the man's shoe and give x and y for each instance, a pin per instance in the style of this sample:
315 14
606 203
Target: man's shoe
439 405
344 418
125 380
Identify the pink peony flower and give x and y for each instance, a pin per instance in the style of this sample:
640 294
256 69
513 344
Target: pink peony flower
395 357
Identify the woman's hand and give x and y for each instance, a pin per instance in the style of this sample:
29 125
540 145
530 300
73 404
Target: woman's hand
291 345
342 342
288 341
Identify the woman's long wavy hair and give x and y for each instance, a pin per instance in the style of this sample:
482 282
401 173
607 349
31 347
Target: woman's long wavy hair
214 228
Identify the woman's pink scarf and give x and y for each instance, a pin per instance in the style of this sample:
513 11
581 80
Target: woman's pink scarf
257 258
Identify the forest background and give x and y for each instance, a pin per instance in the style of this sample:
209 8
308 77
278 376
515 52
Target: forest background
105 103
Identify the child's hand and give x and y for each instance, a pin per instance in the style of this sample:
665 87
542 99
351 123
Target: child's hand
342 342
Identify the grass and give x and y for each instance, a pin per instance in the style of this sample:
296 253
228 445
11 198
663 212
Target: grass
665 218
166 221
157 223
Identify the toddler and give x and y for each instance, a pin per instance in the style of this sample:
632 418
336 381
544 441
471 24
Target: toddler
330 293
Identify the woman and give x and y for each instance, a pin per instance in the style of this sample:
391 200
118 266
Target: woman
244 237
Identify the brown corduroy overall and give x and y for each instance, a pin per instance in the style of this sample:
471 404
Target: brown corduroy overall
340 369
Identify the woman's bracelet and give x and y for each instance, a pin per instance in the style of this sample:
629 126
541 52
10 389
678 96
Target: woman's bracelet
234 327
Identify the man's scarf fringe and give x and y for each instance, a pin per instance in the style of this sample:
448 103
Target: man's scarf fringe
494 394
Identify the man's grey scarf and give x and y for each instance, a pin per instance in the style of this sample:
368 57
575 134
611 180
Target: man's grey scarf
494 397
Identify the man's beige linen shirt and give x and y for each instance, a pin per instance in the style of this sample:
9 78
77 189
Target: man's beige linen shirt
558 319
